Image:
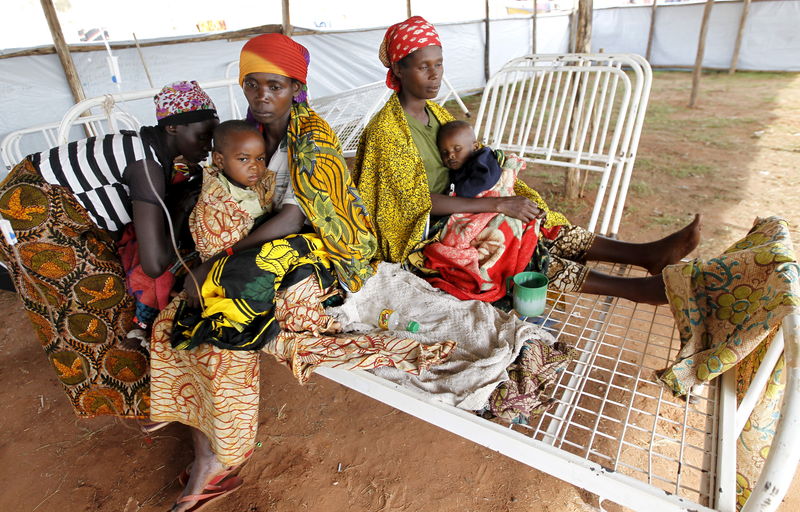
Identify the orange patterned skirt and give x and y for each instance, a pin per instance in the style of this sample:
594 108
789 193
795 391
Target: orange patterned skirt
72 285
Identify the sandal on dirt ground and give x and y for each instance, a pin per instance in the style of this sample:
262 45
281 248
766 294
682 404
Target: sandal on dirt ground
183 478
203 500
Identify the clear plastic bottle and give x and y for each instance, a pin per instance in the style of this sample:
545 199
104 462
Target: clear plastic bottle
390 320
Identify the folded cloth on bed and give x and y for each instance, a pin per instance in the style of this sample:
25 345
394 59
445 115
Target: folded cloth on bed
310 338
727 306
488 340
477 252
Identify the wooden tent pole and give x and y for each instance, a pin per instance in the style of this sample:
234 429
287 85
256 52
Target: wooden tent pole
701 49
583 44
533 29
652 31
738 45
408 8
63 51
287 20
486 46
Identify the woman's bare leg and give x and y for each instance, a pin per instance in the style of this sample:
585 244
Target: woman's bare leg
649 289
653 256
204 467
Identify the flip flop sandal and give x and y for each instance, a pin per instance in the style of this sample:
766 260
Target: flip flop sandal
183 478
203 500
152 426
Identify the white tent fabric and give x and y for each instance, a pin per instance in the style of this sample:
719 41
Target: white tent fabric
33 89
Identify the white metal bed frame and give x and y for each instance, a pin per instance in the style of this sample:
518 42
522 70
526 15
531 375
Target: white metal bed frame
614 431
579 111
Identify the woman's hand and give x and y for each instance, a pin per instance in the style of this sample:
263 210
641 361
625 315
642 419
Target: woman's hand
193 291
519 207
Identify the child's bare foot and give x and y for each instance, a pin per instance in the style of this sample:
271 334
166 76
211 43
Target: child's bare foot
672 248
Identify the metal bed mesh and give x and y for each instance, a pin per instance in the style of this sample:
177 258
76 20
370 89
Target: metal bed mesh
609 407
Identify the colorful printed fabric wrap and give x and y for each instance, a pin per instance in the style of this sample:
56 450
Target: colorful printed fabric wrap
217 221
727 306
531 380
277 54
727 311
478 252
391 178
326 194
183 103
402 39
239 293
308 339
66 269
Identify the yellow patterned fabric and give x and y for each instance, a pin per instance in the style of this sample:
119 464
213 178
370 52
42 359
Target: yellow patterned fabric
726 307
727 311
328 197
391 178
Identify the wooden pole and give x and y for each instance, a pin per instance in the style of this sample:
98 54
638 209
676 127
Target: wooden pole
583 44
701 49
652 31
144 63
533 29
287 20
63 51
408 8
583 29
738 45
486 46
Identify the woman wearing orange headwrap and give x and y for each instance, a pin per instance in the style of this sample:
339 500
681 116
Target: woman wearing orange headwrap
214 357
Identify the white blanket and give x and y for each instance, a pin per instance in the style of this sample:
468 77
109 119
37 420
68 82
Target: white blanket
487 340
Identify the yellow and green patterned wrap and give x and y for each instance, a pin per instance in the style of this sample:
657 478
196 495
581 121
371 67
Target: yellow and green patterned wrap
326 193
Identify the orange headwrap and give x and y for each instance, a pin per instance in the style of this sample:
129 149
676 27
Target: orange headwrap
274 53
404 38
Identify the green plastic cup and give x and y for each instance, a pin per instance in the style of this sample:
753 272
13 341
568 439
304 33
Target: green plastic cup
530 293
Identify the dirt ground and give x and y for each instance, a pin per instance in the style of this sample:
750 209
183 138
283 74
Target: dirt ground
734 158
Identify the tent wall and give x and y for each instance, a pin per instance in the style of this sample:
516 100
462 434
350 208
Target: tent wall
769 42
33 89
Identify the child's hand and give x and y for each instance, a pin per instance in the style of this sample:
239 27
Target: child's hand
519 207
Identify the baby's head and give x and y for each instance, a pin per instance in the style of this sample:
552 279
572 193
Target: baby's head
239 152
456 142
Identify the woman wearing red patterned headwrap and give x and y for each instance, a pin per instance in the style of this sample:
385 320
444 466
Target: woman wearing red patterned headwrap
402 181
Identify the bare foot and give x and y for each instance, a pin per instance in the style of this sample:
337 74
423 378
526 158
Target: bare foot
205 469
672 248
203 472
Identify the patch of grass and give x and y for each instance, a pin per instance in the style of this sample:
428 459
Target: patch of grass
709 138
687 170
659 115
713 123
640 188
645 165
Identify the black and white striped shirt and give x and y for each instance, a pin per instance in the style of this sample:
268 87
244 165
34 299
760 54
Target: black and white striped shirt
93 170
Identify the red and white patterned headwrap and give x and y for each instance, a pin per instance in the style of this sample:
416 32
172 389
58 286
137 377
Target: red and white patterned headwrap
402 39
